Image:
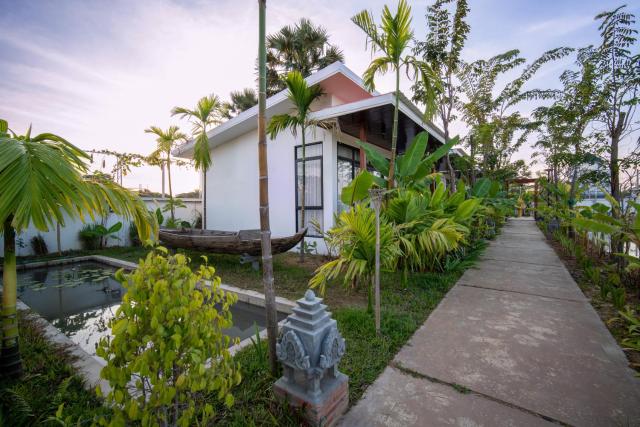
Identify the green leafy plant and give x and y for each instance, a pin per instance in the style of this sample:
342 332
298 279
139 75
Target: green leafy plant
38 245
355 236
632 340
176 223
302 96
173 204
618 297
168 353
96 236
392 38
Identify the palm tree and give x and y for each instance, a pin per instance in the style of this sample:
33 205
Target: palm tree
302 96
392 38
241 100
441 50
208 112
265 229
42 180
167 140
303 47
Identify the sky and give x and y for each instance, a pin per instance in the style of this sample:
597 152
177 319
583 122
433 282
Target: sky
100 72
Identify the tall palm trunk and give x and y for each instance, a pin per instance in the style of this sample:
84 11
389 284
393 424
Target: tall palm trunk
304 190
452 173
394 135
58 244
173 213
204 199
10 363
472 154
265 231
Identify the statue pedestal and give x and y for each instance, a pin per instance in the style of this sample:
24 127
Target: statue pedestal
310 348
323 410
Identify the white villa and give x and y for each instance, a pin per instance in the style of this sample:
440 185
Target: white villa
333 157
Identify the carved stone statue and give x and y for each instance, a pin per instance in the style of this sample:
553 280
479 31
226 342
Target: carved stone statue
310 348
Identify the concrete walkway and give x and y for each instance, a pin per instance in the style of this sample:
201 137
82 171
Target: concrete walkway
514 343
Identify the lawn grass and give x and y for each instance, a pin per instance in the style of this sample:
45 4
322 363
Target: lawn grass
291 277
404 309
48 381
405 306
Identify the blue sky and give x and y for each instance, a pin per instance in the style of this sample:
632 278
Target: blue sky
100 72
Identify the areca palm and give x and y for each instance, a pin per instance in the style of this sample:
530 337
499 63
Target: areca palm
42 181
355 235
302 96
303 47
392 38
208 112
241 100
166 141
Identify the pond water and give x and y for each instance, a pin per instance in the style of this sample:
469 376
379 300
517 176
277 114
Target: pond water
80 298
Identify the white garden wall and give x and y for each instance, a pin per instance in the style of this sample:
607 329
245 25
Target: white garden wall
69 233
232 183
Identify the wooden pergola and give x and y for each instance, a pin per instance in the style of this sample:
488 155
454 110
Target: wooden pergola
523 181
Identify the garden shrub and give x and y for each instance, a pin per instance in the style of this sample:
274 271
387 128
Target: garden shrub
168 359
38 245
88 238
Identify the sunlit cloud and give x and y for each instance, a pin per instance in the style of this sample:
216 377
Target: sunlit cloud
99 73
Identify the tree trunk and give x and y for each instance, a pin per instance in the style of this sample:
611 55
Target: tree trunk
204 199
394 135
10 363
452 173
58 239
304 189
265 232
376 276
162 169
173 213
614 167
472 151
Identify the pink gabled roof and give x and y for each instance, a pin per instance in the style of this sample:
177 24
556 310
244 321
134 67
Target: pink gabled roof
336 79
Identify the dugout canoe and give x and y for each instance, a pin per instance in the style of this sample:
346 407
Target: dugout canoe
227 242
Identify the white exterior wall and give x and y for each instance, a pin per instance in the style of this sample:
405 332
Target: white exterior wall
232 183
69 233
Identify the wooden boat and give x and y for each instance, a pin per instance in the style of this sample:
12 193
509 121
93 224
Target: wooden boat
227 242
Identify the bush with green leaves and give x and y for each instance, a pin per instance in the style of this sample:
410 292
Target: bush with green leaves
168 359
96 236
355 237
38 245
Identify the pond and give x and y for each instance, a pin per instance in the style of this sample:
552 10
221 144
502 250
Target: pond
80 298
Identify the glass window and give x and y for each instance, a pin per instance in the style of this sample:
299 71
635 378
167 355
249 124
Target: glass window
348 168
313 204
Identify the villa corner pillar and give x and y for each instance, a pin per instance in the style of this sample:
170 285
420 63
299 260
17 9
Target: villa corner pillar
363 138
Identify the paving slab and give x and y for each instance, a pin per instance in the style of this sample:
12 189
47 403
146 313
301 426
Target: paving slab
518 333
524 255
399 400
552 356
533 280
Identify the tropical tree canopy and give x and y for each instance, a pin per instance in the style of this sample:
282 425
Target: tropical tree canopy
44 177
241 100
302 47
301 96
208 111
392 38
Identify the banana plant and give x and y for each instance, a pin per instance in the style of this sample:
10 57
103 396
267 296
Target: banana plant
411 168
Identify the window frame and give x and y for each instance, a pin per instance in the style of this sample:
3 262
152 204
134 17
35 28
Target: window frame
304 175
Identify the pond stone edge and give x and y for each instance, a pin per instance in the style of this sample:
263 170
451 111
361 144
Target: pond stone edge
88 367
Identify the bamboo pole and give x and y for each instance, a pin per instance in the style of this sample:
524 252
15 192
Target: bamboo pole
10 361
265 231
